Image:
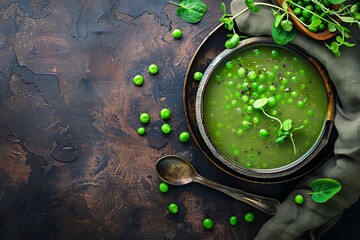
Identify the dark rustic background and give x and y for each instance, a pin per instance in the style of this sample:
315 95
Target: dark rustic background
71 163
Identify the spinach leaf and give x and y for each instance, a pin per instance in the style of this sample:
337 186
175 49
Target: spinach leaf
191 11
282 37
324 189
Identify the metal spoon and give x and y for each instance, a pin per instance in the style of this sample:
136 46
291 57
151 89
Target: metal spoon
178 171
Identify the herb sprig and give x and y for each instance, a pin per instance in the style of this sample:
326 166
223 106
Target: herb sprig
283 31
286 128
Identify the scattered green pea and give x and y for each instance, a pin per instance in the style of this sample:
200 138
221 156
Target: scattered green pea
246 124
163 187
166 128
261 88
239 132
184 136
198 76
256 120
233 220
141 131
165 113
274 53
144 118
299 199
208 223
173 208
249 217
272 88
138 80
262 78
300 104
229 65
177 33
153 69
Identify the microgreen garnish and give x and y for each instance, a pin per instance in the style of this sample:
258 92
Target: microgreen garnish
283 31
324 189
286 128
191 11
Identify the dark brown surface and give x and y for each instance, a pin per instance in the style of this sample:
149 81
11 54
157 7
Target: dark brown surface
71 163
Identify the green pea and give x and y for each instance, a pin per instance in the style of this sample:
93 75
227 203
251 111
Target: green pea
166 128
246 124
261 78
274 53
249 109
306 13
177 33
299 199
294 79
272 88
198 76
301 3
252 75
256 120
261 88
245 98
254 85
173 208
271 101
138 80
263 133
239 132
234 102
229 75
233 220
274 112
165 113
294 94
229 65
245 86
144 118
241 72
230 84
153 69
208 223
326 3
297 11
285 81
310 112
184 137
141 131
318 8
236 152
249 217
322 27
271 75
300 104
163 187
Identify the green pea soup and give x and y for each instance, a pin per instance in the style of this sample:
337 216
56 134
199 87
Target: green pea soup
294 89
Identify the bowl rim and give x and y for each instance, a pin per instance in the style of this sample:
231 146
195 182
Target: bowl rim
274 172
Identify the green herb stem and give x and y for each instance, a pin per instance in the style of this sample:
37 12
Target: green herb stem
174 3
293 143
272 117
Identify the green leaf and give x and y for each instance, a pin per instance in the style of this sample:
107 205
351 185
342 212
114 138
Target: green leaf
287 125
332 27
278 19
324 189
315 21
282 37
223 8
336 1
252 7
191 11
354 9
347 19
260 103
286 25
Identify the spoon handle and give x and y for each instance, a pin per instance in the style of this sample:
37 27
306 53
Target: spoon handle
264 204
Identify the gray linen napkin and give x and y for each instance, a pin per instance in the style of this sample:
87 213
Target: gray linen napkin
294 221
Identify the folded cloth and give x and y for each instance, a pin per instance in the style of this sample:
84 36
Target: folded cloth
294 221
